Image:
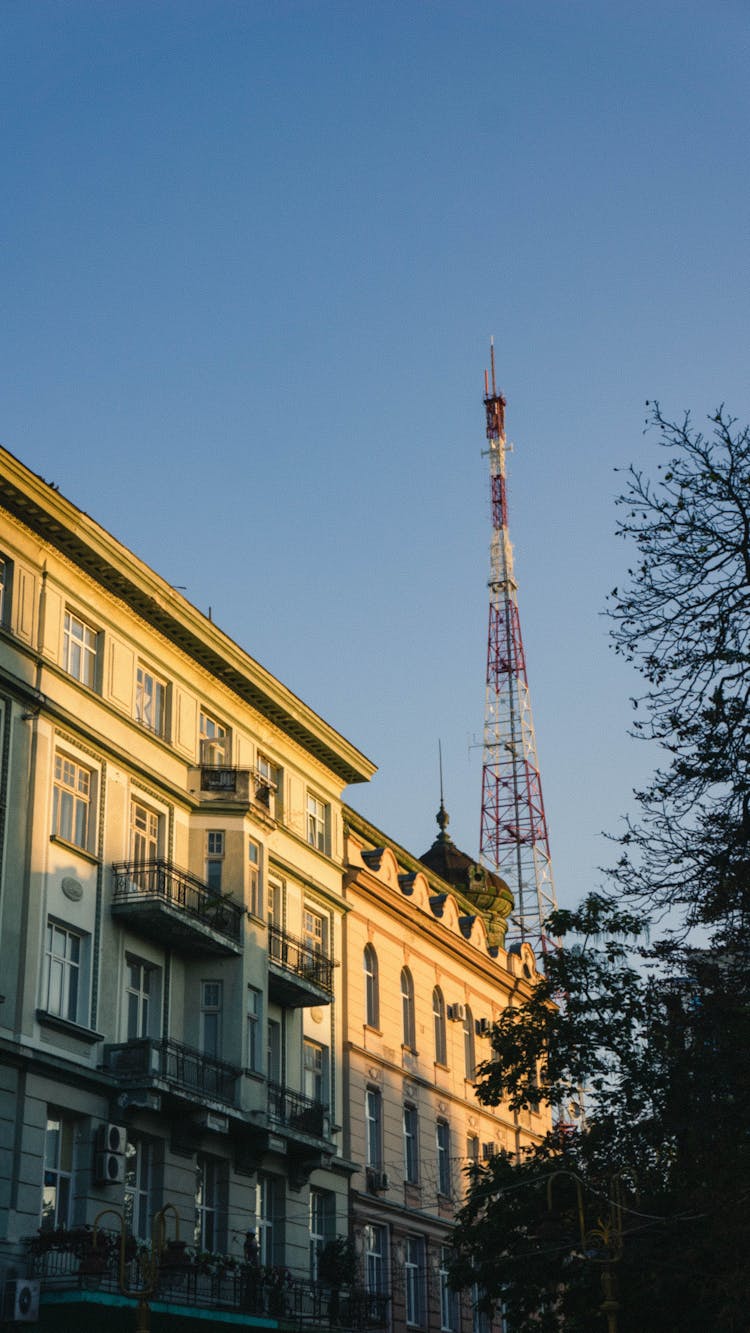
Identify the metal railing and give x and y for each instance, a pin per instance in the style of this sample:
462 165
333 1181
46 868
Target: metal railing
295 1111
182 1066
298 957
178 888
212 1282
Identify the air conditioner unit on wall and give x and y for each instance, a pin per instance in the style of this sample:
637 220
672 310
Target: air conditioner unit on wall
456 1013
109 1162
488 1151
377 1181
484 1027
21 1303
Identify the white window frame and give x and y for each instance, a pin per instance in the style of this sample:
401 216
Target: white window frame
408 1015
443 1151
373 1128
255 1044
151 695
441 1031
72 801
322 1225
372 986
138 1187
255 881
448 1298
80 649
411 1144
315 1071
64 971
6 590
207 1202
141 998
215 851
145 832
414 1280
270 775
212 1003
215 741
375 1240
318 819
58 1170
269 1217
313 932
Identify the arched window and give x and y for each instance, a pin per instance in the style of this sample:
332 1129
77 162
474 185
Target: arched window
438 1013
372 994
470 1058
407 1009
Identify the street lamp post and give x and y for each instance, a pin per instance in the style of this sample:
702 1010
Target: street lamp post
148 1264
602 1243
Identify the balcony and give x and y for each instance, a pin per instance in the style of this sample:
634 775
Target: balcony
241 786
294 1111
168 1066
173 907
195 1286
298 976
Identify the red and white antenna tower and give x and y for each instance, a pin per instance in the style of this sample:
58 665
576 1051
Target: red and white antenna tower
513 839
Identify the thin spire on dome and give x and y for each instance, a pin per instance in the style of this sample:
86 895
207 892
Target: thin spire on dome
442 816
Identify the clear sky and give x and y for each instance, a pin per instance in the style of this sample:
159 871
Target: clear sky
251 255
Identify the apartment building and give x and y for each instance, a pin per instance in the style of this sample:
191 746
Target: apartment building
172 847
426 977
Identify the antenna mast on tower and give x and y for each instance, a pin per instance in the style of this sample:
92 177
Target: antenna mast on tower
513 838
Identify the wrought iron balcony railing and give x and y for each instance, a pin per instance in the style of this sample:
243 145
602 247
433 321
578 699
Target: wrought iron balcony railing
295 1111
296 956
137 882
183 1067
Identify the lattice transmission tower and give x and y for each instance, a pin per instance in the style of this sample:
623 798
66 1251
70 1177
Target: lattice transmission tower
513 838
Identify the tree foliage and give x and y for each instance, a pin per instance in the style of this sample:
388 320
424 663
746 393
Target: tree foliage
658 1031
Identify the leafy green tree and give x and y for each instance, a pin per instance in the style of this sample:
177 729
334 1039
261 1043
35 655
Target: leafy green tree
657 1031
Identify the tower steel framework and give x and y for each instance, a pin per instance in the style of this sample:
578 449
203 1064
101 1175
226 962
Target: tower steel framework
513 838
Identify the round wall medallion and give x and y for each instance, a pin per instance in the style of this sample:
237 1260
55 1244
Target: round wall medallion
72 888
316 1015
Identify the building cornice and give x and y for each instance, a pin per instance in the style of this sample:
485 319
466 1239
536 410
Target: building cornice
65 527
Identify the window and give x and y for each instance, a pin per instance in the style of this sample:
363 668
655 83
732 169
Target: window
255 897
274 1051
375 1240
63 989
414 1275
313 933
144 833
275 904
443 1143
470 1059
6 588
269 1215
138 1185
268 788
438 1014
317 823
141 998
57 1189
214 859
322 1225
481 1321
372 995
373 1128
411 1145
79 650
215 742
254 1030
150 701
206 1234
71 801
472 1154
448 1302
211 1005
315 1071
407 1009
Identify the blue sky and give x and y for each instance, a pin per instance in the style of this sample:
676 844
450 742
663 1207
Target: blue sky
251 255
